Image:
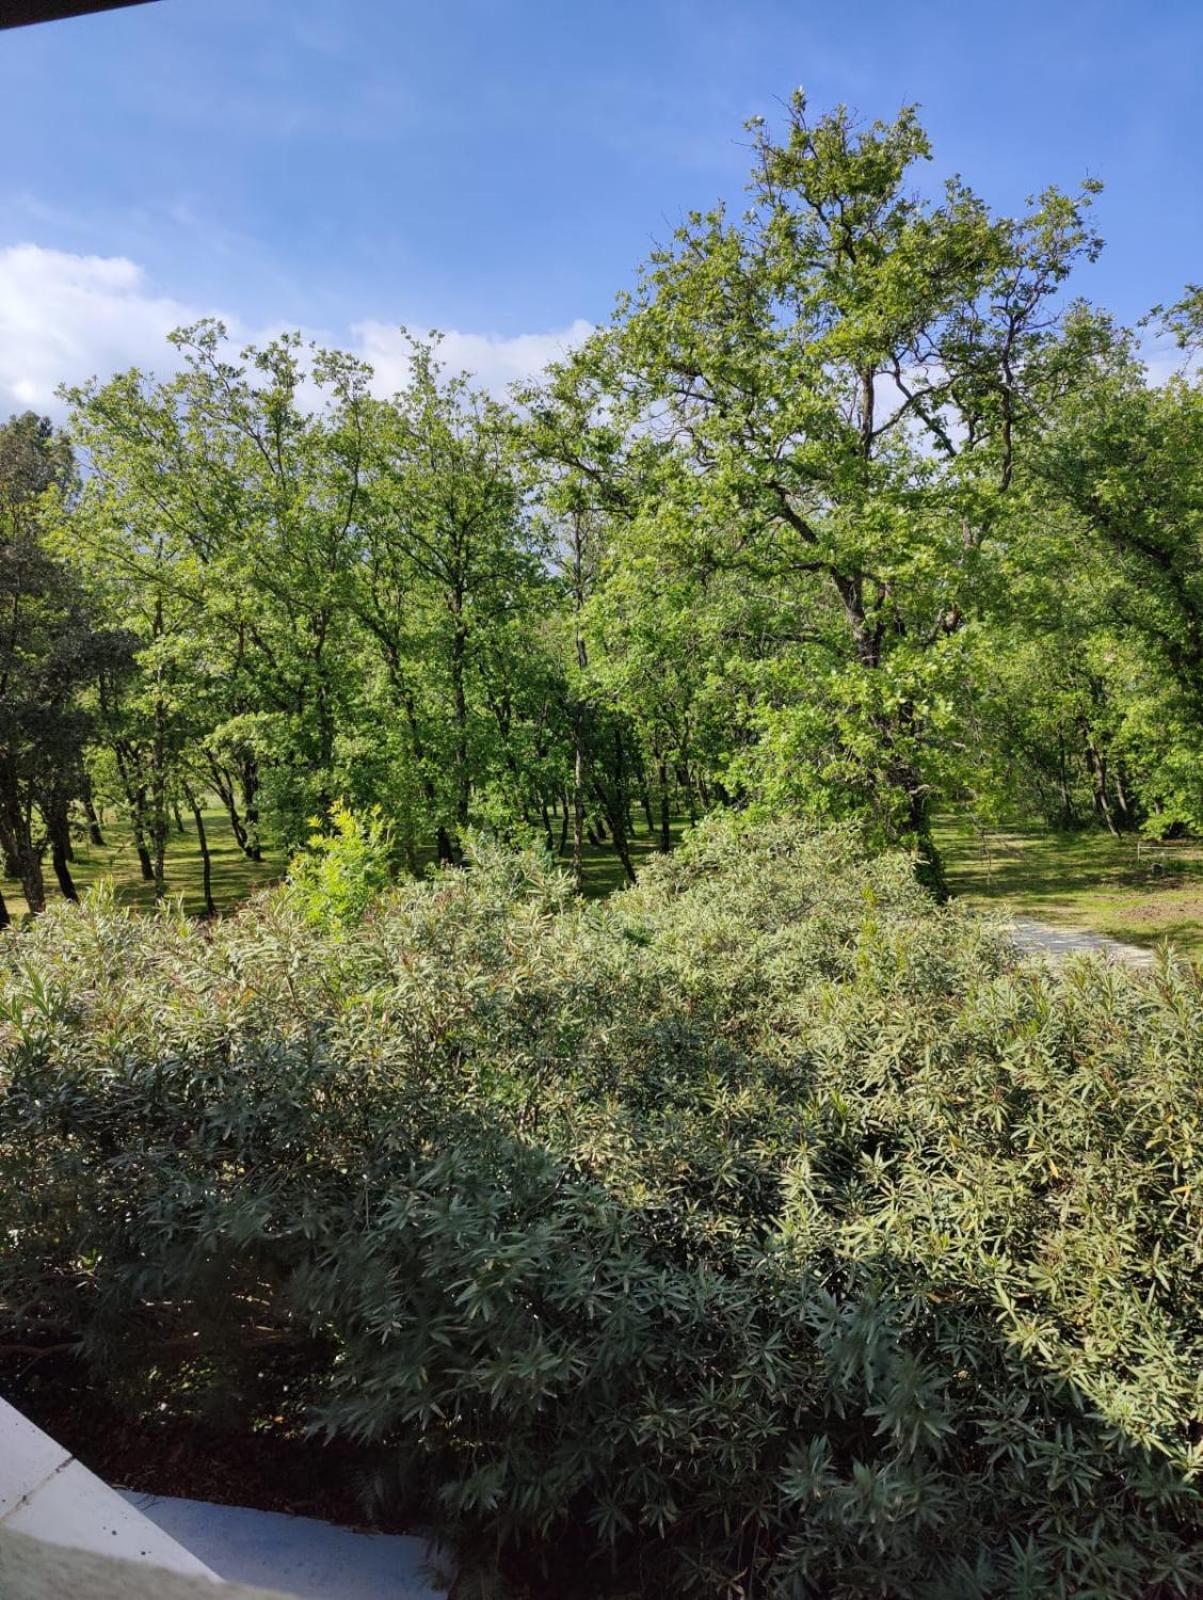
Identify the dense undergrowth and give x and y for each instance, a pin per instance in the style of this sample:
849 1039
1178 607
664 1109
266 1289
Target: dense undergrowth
764 1230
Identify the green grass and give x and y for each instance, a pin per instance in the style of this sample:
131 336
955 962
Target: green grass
1130 889
600 864
234 877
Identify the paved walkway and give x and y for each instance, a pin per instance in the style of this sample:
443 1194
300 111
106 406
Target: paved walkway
308 1559
1043 937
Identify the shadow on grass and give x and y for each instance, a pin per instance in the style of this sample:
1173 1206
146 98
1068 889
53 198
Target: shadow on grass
234 877
1136 891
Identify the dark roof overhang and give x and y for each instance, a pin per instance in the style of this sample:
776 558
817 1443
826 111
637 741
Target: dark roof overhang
18 13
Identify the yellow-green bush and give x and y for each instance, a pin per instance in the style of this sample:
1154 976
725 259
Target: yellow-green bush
763 1230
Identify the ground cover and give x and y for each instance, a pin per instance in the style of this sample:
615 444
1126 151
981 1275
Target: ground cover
1132 889
769 1227
234 877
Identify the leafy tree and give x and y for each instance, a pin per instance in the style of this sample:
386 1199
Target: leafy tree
1124 457
50 648
842 383
218 500
449 586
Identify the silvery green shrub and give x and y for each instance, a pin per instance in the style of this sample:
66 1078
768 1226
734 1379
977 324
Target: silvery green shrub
763 1230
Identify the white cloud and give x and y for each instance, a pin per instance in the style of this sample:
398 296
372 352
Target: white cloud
494 360
65 318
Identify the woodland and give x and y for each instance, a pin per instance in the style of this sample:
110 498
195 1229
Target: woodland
855 509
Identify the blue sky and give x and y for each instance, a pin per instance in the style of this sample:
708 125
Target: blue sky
498 169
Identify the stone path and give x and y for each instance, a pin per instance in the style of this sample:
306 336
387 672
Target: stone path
1046 939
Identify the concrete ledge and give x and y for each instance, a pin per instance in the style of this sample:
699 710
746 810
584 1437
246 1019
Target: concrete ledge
46 1493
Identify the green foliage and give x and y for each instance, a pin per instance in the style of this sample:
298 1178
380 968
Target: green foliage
828 402
764 1228
343 868
851 508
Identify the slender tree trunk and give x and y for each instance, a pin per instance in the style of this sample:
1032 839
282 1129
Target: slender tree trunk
1096 763
59 828
578 806
691 802
202 840
612 799
459 650
417 744
62 871
930 865
5 916
158 821
1121 796
145 864
1069 815
645 800
250 805
94 833
158 779
135 795
29 871
224 784
666 839
578 707
16 839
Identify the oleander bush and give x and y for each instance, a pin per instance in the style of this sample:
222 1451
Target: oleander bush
764 1230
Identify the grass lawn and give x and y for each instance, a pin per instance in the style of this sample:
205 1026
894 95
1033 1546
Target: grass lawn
234 877
1131 889
600 865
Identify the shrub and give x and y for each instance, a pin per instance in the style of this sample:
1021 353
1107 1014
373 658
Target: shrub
343 867
765 1229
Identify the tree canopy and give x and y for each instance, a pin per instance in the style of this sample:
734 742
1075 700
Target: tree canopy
853 507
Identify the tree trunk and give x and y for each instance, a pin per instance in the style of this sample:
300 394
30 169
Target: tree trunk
29 870
94 833
578 807
62 871
206 860
16 841
1121 797
929 866
145 864
459 650
135 796
58 826
404 693
223 782
250 805
1096 763
666 838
